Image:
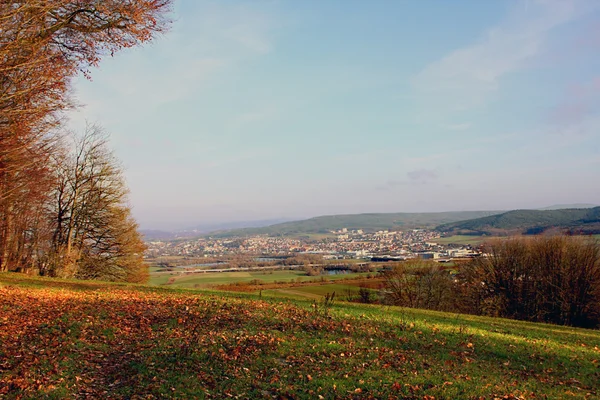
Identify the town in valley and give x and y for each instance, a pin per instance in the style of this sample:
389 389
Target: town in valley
337 245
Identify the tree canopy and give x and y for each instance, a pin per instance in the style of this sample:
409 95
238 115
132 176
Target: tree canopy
44 44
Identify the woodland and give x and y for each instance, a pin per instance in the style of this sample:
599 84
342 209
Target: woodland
63 198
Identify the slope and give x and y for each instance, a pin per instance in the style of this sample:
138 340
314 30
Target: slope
64 339
367 222
529 222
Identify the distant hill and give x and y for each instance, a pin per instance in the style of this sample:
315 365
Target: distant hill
567 206
583 220
207 228
367 222
153 234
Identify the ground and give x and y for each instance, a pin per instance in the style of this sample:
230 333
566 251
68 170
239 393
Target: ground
67 339
461 240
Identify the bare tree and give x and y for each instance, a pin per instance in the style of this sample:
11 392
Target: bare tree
43 45
95 236
419 284
551 279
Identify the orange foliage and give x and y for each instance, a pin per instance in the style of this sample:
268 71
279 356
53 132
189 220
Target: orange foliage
43 45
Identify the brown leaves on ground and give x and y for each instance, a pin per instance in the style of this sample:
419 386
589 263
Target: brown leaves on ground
92 340
90 343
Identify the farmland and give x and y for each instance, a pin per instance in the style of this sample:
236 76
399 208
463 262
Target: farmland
278 283
462 240
210 279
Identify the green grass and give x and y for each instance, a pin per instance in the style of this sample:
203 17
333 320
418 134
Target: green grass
312 291
317 291
322 290
67 339
208 279
461 239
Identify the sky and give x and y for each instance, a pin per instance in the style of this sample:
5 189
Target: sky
281 109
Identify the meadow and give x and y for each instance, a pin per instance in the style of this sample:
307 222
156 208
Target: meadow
462 240
208 279
74 339
212 280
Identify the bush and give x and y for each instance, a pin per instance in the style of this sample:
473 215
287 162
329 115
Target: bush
548 279
364 295
313 270
419 284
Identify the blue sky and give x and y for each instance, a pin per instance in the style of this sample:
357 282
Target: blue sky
250 110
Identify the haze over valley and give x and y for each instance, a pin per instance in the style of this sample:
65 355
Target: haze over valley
251 111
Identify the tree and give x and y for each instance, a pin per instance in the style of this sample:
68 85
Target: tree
43 45
23 195
94 236
419 284
546 278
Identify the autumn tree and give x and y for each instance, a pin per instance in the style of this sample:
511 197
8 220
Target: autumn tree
95 236
43 45
549 279
419 283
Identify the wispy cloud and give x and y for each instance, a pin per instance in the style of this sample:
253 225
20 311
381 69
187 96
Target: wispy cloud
458 127
422 175
414 178
466 77
207 40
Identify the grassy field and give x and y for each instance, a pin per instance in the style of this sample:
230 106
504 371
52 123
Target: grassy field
209 279
314 291
472 240
461 239
66 339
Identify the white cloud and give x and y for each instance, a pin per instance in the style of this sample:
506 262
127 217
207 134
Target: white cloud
458 127
466 77
206 40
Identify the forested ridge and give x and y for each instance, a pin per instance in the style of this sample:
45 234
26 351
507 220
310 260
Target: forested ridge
583 220
63 199
367 222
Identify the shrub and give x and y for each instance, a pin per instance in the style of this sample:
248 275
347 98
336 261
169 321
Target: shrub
419 284
549 279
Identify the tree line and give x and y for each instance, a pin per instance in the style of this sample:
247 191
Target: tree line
63 199
553 279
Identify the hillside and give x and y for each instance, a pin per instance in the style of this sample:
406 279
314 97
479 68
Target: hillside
367 222
63 339
563 206
585 220
154 234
